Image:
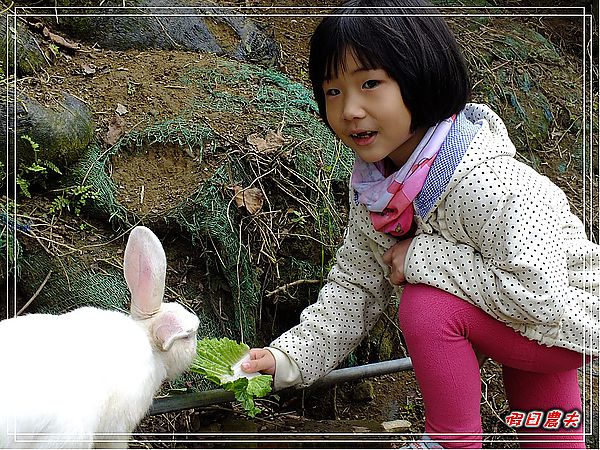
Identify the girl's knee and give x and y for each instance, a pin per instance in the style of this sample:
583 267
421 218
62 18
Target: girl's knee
424 308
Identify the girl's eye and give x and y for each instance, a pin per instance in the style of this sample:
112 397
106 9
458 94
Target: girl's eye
331 92
370 84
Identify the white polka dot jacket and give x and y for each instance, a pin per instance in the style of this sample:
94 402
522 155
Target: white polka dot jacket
490 230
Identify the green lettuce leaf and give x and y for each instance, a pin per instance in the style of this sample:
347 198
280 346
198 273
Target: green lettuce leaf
245 390
220 360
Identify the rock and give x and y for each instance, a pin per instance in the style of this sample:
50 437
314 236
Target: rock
62 131
363 392
196 26
393 425
29 57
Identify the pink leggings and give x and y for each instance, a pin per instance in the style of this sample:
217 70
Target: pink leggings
441 331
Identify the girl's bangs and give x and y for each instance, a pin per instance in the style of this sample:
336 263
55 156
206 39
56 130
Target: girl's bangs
335 62
333 56
347 38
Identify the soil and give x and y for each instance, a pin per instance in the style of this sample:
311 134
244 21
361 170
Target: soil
162 176
144 195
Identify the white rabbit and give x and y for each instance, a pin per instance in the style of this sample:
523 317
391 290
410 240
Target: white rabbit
86 378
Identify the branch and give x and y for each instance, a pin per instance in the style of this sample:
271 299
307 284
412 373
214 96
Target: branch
285 287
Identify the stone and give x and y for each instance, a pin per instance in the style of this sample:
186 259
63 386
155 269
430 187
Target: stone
393 425
363 392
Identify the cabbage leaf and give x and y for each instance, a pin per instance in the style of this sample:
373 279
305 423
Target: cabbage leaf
220 361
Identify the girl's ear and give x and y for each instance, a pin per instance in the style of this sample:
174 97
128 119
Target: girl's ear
145 268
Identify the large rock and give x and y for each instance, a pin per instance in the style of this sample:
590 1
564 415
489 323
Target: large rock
166 24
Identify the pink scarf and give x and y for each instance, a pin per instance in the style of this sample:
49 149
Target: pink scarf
390 199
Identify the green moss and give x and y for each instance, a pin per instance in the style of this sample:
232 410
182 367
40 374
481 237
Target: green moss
62 133
29 57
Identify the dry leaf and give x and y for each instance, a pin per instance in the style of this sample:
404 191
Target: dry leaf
252 198
116 129
121 110
59 40
272 141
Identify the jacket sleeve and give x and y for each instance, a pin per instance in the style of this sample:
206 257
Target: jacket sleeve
347 307
503 251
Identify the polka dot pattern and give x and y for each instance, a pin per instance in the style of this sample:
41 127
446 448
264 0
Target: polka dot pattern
348 306
500 236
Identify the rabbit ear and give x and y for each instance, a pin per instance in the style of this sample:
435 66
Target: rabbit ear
170 326
145 268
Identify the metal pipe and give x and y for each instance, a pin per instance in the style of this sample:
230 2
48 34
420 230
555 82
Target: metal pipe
190 400
368 370
214 396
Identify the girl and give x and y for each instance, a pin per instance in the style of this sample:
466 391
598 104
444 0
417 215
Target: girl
492 261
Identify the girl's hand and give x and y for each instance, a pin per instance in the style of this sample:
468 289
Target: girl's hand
261 360
394 258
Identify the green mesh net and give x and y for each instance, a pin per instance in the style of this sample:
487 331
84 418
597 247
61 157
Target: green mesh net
303 180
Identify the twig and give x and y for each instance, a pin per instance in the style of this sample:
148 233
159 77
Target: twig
285 287
303 236
39 238
39 289
7 8
177 295
166 33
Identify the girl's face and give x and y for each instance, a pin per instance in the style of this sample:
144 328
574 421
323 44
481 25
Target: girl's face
366 111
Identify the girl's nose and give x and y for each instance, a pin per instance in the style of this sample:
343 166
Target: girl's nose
352 110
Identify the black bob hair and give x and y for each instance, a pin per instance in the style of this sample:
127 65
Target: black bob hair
417 50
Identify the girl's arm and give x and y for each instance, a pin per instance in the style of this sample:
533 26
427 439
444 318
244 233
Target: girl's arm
347 308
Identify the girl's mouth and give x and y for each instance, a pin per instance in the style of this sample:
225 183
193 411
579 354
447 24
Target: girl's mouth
364 137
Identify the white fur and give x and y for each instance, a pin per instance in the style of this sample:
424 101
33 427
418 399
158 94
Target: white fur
76 380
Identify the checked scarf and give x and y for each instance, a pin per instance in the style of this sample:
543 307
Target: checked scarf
390 198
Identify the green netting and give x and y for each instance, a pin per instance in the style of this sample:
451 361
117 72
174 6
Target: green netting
71 282
305 172
204 214
92 168
106 289
283 103
10 248
237 257
320 160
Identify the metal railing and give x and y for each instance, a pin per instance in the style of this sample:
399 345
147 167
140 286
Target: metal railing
214 396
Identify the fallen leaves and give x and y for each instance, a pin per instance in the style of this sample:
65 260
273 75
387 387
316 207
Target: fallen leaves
253 198
271 142
59 40
116 129
55 38
88 69
250 198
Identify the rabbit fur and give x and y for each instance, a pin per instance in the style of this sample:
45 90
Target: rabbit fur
86 378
